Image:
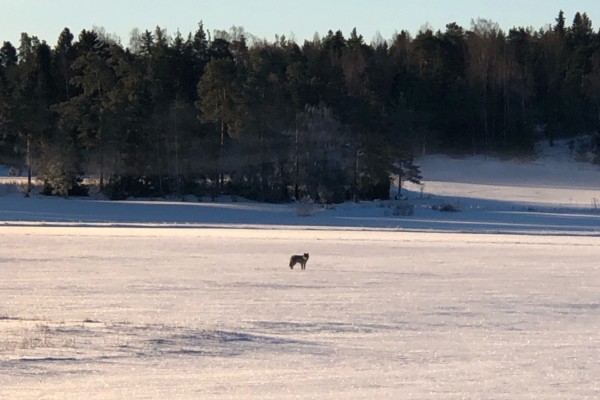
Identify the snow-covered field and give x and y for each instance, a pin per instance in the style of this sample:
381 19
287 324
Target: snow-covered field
159 300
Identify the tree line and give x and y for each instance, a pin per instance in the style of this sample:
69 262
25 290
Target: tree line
333 118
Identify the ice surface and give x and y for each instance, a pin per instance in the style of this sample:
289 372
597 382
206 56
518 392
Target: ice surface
217 313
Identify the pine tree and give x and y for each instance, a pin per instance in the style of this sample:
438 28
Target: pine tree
63 57
86 114
219 102
559 28
33 96
8 76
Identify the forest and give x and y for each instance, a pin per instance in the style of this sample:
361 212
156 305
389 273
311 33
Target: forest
333 118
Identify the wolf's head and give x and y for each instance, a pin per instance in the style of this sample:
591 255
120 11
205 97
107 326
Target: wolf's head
306 255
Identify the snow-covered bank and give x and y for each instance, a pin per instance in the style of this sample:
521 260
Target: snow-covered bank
475 216
552 194
485 208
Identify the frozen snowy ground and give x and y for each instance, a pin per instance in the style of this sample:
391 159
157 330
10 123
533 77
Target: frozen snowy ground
216 313
152 300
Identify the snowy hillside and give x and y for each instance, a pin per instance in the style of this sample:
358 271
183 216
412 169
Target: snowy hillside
554 178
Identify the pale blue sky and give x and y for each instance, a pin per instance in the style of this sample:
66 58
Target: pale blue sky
265 18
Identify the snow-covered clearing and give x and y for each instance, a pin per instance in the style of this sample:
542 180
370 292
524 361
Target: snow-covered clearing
155 300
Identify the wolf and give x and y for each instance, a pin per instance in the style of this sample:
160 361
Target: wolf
299 259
